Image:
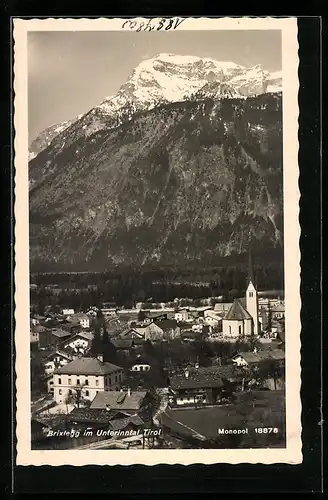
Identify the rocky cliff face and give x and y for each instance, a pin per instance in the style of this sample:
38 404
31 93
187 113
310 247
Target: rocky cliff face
163 79
183 183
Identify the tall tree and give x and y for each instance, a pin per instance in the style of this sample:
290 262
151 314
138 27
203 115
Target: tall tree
96 344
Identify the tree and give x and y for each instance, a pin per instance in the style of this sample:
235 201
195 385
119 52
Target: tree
96 344
149 348
269 369
76 397
141 315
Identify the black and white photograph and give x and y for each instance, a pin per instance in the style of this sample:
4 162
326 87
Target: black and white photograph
160 216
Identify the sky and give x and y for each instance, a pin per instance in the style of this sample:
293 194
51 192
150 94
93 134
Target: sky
71 72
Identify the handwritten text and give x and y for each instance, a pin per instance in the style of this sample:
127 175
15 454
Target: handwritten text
153 24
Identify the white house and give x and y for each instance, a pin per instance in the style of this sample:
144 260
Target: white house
278 311
181 315
140 365
255 357
80 342
55 360
84 319
68 312
88 375
212 319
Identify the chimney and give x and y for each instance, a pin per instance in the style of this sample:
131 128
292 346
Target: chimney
255 349
107 407
187 373
100 357
129 392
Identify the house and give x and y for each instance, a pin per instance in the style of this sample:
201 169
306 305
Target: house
169 329
181 315
195 388
212 319
132 334
67 312
53 336
59 335
53 360
109 312
34 337
56 359
255 357
103 420
142 333
278 311
125 402
80 342
141 364
71 326
222 308
37 319
151 316
86 374
115 410
83 319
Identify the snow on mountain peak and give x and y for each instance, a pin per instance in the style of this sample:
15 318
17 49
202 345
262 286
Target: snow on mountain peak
168 78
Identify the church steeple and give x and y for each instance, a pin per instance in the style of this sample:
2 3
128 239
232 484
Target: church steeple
251 295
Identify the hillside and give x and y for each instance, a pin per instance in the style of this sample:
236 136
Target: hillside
181 184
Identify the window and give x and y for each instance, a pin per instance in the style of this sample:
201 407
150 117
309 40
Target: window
59 381
239 329
69 391
109 380
250 294
86 381
115 378
78 382
87 393
97 382
229 330
69 381
60 391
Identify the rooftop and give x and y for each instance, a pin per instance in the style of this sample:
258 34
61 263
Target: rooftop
88 366
167 324
237 312
256 357
103 417
60 333
84 335
118 400
196 381
122 343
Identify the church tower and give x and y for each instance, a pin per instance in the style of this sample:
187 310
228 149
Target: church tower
251 297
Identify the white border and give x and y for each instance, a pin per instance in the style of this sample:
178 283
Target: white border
292 454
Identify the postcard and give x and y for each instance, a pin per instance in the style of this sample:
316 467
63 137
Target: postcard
157 260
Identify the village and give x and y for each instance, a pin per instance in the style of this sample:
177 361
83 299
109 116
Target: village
154 376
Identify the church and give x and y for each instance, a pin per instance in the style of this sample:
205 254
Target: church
242 319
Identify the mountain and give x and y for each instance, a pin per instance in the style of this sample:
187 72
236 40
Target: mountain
162 79
44 139
184 183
